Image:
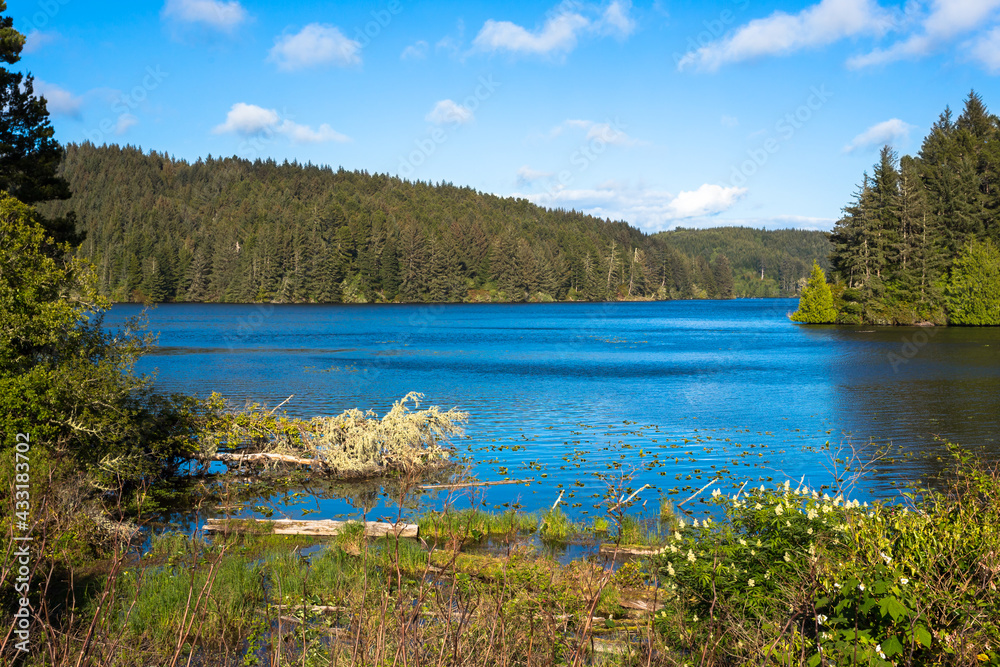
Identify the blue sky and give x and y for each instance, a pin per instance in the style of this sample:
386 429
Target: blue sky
662 114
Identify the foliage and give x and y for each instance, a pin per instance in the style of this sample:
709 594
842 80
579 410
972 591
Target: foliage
795 575
816 303
64 379
973 290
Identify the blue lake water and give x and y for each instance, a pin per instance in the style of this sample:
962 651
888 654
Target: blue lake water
572 395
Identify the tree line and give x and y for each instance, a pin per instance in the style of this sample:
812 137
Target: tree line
226 229
918 240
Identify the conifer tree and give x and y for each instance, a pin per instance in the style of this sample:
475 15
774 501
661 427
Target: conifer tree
816 302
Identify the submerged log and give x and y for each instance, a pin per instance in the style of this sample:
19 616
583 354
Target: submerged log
321 527
428 487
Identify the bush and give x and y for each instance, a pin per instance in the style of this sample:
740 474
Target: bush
816 303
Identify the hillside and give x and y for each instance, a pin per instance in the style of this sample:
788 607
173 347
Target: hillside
764 263
163 229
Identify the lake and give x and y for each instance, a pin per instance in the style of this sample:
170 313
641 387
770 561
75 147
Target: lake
573 394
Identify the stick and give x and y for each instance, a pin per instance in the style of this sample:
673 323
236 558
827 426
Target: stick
710 483
741 490
280 404
544 521
465 484
625 502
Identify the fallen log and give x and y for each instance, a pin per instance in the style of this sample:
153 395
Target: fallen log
321 527
230 457
631 550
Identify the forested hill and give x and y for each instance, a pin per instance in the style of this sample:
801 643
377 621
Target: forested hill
765 263
162 229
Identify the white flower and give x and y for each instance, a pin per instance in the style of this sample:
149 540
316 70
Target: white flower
758 506
716 493
743 542
788 485
670 569
767 575
690 556
696 618
904 581
696 523
682 523
779 510
759 544
861 587
812 549
677 535
885 558
788 559
821 619
751 583
836 585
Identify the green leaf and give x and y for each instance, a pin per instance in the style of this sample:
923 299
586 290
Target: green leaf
922 635
892 646
892 607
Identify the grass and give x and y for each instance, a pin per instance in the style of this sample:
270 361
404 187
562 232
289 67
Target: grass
789 577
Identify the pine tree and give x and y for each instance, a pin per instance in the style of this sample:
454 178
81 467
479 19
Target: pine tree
723 277
816 302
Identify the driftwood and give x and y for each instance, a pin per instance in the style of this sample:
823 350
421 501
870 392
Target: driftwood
322 527
629 550
428 487
228 457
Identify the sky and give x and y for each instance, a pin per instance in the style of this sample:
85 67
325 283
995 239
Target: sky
663 114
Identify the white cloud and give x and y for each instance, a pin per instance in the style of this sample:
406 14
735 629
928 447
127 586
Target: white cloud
224 16
526 175
315 44
946 20
35 40
417 51
251 120
986 50
447 112
248 119
730 121
560 32
782 33
774 222
892 131
616 20
606 132
647 208
60 102
125 122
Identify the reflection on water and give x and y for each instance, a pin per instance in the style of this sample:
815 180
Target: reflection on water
572 395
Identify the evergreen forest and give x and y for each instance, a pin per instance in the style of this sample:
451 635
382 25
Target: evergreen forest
917 243
226 229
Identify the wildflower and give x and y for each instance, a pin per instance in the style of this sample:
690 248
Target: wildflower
683 524
673 549
758 506
809 531
904 581
677 535
707 521
753 553
812 514
759 543
696 618
812 549
885 558
696 523
779 510
690 556
861 587
821 619
743 542
788 559
751 583
670 569
788 485
716 493
767 575
836 585
788 524
878 649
